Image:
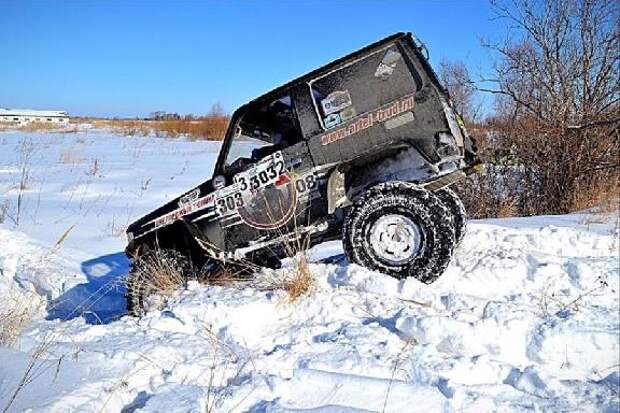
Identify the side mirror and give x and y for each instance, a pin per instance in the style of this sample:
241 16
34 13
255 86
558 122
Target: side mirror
219 182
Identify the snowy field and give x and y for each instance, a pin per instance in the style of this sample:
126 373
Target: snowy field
526 317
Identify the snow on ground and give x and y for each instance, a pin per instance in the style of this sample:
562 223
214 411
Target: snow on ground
525 318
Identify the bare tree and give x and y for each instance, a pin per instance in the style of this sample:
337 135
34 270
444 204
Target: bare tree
217 111
455 77
558 88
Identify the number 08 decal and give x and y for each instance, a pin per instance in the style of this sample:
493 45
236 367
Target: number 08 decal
306 183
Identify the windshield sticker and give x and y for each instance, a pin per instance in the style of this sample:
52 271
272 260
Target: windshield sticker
331 120
348 113
383 71
336 101
387 65
366 121
189 197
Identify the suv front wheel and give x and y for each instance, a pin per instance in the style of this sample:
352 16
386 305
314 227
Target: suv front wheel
401 230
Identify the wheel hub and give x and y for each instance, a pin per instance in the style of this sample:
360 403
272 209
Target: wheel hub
395 238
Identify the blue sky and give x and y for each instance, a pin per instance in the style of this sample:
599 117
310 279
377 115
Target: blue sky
128 58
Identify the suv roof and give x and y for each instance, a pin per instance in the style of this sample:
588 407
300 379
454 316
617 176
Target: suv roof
326 68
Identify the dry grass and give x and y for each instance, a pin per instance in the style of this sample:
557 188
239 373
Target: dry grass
552 302
15 317
403 355
507 208
18 311
116 229
603 198
159 273
40 126
63 237
4 210
227 275
165 273
227 368
520 181
26 152
7 125
299 281
70 156
36 126
123 126
211 127
602 204
36 367
94 168
296 280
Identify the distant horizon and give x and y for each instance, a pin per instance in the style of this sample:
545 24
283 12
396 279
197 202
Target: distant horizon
146 115
128 59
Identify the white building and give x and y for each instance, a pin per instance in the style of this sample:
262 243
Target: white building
28 115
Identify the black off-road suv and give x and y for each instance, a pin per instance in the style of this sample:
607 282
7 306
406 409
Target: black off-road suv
363 149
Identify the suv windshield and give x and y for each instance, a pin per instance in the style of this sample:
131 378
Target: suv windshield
243 145
264 129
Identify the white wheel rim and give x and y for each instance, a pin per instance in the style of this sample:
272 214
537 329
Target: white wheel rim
395 239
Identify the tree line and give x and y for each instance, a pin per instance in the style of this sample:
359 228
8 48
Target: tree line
551 143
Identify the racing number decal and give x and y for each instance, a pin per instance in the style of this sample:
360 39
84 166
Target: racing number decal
229 203
256 179
266 195
247 184
306 183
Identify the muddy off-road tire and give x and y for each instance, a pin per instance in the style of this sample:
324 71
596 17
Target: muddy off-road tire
401 230
154 272
457 208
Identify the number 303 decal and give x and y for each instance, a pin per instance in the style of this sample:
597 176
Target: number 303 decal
229 203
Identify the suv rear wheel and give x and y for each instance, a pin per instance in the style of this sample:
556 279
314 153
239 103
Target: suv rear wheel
457 209
402 230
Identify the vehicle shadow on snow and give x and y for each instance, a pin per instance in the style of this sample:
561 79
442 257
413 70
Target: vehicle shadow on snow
336 259
102 298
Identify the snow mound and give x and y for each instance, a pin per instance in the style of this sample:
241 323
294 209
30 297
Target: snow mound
30 272
526 318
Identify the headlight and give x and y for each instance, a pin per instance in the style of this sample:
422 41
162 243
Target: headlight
129 236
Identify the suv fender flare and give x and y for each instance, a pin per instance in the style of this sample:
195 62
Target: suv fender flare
336 191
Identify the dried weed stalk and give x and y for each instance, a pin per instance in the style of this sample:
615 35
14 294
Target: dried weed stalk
158 272
16 315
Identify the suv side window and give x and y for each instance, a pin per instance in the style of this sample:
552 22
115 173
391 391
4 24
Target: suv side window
362 86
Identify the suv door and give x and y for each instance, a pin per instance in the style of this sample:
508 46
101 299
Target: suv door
266 194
